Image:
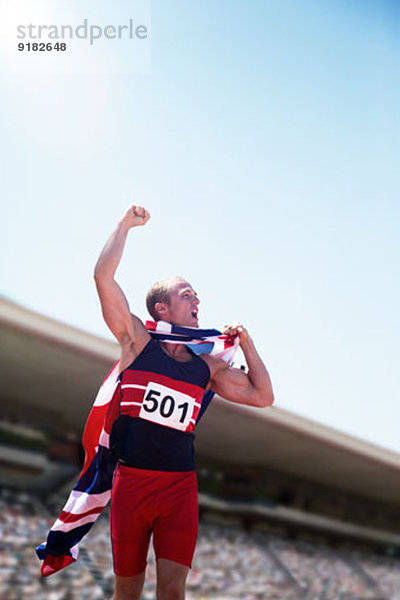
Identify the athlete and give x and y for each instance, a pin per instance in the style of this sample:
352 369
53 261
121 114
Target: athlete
155 486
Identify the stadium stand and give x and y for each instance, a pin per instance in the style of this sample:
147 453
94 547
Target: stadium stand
229 563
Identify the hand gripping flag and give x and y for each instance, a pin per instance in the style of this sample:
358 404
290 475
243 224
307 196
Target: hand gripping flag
92 491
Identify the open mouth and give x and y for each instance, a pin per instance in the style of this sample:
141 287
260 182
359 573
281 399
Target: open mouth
194 314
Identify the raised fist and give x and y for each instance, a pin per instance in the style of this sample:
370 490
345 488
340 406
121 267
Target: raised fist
136 216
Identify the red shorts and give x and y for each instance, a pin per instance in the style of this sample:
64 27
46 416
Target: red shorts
162 503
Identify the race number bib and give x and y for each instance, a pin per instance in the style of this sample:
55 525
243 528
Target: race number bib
166 406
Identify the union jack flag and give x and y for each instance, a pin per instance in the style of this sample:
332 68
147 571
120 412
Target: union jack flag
92 491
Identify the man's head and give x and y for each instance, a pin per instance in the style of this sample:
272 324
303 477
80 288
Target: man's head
173 300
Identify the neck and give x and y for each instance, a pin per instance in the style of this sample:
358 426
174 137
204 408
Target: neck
175 350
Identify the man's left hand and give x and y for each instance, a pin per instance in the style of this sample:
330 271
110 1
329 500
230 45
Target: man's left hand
236 329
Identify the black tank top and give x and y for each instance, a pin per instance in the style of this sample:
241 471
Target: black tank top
160 405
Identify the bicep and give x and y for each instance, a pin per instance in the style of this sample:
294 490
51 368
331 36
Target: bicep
234 385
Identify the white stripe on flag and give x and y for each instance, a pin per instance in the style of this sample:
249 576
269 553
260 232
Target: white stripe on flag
163 327
75 551
80 502
104 439
61 526
107 390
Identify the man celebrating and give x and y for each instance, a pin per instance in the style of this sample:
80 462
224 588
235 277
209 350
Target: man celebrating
162 387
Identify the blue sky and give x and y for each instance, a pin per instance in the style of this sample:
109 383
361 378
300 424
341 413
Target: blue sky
264 140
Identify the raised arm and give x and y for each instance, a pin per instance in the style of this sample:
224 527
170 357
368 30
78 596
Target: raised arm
252 388
127 328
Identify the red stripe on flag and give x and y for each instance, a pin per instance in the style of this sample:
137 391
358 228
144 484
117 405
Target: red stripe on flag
67 517
52 564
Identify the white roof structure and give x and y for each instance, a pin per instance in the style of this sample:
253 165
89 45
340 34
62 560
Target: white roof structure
50 367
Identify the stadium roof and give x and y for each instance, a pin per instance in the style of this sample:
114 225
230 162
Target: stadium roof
52 371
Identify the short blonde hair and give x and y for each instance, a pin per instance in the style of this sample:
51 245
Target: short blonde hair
159 292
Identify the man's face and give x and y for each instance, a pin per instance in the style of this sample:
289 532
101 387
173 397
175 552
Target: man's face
182 308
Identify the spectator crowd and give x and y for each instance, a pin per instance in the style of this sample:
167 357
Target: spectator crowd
229 564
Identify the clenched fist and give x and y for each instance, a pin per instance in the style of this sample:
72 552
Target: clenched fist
236 329
136 216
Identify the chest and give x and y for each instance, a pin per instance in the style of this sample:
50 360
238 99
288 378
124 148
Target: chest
161 399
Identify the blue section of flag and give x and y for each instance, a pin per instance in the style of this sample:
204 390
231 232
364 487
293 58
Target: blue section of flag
193 332
203 348
208 396
166 337
59 543
98 476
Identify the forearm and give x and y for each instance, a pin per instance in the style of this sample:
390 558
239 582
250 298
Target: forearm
111 254
114 305
257 372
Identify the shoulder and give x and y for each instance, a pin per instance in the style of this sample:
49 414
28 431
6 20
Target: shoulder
134 343
214 363
139 327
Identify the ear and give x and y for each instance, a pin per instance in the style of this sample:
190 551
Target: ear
161 308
